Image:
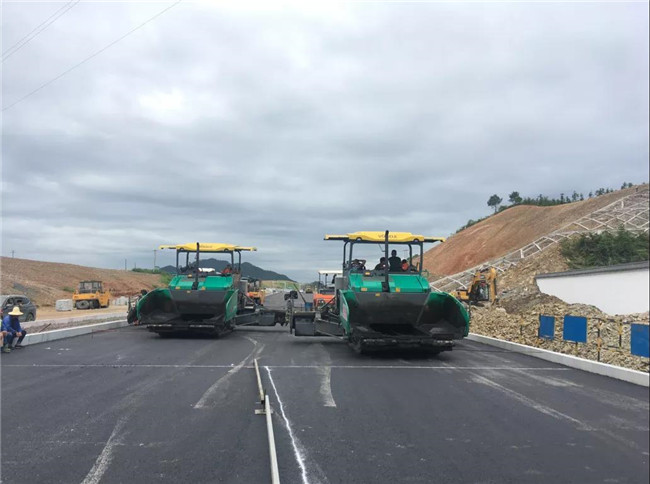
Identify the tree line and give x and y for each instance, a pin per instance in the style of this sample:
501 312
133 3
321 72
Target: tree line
544 201
495 201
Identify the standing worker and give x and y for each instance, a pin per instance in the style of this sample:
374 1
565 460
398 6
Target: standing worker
11 324
394 262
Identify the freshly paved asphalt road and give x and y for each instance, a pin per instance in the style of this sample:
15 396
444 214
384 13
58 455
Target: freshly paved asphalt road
128 406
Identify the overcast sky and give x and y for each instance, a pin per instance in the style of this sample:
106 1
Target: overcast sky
273 125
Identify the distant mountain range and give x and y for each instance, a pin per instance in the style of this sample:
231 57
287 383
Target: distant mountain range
247 269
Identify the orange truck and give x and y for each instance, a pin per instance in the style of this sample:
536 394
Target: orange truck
325 290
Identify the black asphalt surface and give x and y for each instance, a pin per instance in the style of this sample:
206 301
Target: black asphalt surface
128 406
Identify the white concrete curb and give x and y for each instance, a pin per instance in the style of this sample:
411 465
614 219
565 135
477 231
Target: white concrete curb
34 338
75 319
612 371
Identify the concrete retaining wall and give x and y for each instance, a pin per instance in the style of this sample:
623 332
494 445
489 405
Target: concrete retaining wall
34 338
612 371
619 289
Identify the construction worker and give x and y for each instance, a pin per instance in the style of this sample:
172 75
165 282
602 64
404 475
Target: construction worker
394 262
382 264
11 325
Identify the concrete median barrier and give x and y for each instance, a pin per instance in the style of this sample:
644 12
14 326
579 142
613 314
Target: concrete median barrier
612 371
35 338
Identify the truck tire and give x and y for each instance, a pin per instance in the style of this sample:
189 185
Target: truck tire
29 317
84 304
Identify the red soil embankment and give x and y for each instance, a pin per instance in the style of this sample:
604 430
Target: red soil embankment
509 230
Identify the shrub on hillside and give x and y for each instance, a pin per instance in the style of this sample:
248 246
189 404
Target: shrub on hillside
605 249
165 277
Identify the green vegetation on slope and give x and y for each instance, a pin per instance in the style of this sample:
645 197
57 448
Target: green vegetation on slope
540 201
605 249
165 277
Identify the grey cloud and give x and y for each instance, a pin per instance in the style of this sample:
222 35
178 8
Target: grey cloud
273 127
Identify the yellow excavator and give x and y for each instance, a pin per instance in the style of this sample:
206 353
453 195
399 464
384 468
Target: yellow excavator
482 288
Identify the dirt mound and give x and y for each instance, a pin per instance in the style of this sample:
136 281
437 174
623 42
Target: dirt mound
507 231
45 282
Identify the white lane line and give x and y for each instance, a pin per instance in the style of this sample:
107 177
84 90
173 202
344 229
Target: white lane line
300 458
106 456
401 367
531 403
341 367
203 401
113 365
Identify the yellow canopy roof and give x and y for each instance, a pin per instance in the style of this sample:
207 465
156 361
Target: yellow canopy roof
393 237
208 247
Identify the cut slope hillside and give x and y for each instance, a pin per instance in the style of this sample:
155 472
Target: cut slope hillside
510 230
45 282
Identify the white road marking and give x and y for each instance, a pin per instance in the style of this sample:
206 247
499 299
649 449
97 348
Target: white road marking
342 367
531 403
203 401
325 372
300 458
106 456
113 365
326 386
554 382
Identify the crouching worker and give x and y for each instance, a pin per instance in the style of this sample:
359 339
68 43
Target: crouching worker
15 334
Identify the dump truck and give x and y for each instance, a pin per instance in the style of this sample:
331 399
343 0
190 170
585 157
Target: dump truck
198 299
91 295
482 288
379 309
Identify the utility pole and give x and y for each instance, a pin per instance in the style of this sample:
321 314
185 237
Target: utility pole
124 264
154 259
12 256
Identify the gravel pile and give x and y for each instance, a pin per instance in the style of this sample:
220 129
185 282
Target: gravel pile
516 317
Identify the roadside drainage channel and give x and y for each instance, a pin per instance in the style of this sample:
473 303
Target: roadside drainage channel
631 376
265 403
45 336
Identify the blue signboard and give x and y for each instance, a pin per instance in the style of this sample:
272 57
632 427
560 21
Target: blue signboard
575 329
639 345
546 327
